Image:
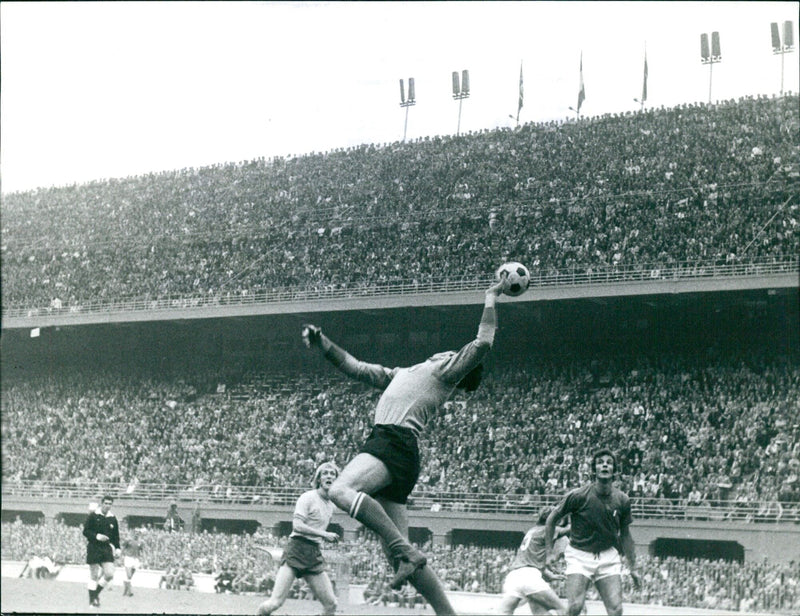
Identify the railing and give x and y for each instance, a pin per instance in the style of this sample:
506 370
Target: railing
456 503
605 275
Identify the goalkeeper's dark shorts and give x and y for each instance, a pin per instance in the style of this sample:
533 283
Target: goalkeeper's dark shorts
397 448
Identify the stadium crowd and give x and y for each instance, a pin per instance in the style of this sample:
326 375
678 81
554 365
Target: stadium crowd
694 184
692 431
698 583
685 186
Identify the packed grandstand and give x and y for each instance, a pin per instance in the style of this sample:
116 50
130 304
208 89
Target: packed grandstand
686 187
636 195
691 431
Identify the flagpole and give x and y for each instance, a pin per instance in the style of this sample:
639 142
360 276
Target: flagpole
644 80
581 90
521 93
644 83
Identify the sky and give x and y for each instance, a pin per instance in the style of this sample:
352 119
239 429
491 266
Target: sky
96 90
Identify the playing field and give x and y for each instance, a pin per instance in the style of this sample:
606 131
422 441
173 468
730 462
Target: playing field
47 596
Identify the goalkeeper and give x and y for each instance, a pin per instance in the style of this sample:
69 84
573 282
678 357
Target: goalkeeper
374 487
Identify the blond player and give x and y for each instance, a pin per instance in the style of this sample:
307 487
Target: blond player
302 557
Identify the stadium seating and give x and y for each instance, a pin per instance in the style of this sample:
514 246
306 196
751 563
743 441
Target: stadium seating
694 432
693 184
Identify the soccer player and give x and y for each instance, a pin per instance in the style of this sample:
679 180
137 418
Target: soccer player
600 517
302 557
528 577
132 550
374 486
101 530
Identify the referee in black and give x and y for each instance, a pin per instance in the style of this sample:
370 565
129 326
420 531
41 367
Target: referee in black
101 530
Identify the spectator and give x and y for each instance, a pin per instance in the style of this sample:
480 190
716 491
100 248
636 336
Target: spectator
173 520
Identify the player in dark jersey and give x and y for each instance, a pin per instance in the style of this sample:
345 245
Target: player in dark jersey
528 576
388 465
101 530
600 517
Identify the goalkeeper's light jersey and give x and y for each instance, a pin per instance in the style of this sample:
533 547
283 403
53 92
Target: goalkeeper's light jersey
412 394
532 551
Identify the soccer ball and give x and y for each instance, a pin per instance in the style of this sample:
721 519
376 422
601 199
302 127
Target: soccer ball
518 278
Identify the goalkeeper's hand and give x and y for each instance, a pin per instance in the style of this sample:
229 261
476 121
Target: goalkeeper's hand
311 335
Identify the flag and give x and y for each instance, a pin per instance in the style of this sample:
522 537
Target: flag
644 83
581 91
521 91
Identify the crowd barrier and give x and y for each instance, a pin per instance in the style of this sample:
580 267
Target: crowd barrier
457 502
571 277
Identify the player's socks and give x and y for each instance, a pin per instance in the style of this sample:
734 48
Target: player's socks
101 584
92 587
429 586
369 512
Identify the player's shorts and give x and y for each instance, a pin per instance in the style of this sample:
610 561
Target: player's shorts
397 448
523 582
99 553
593 566
131 562
303 556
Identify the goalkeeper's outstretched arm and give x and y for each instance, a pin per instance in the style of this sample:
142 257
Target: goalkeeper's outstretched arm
371 374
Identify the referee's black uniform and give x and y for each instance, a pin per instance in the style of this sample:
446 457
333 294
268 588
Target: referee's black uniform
99 552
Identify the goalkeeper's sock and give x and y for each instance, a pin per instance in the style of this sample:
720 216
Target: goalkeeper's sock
101 584
92 587
369 512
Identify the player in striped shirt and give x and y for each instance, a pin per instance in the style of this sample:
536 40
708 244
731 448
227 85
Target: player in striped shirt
374 487
528 578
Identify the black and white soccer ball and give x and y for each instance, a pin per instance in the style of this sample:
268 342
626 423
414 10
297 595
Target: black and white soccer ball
518 280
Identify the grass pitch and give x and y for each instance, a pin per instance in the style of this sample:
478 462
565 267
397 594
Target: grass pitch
31 596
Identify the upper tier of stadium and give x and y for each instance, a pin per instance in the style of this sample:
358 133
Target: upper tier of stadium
711 184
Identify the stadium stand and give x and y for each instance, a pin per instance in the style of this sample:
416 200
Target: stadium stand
698 433
690 186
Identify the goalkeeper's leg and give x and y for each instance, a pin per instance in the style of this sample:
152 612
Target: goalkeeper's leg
363 476
423 578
